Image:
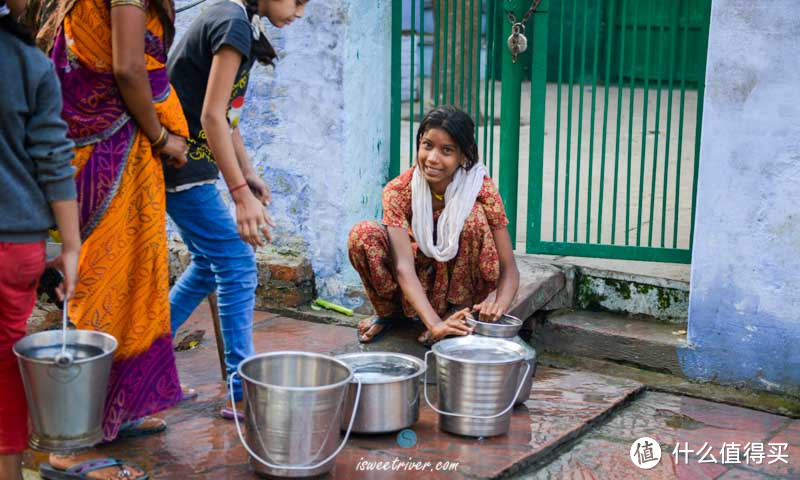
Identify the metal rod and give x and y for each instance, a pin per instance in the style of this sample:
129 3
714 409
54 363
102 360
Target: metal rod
558 120
680 127
701 88
579 148
620 88
591 127
569 119
660 70
437 29
462 60
630 119
509 134
537 109
411 88
645 102
453 46
672 60
396 90
609 43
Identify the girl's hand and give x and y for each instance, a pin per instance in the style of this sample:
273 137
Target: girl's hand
455 324
259 188
252 218
175 151
67 264
490 311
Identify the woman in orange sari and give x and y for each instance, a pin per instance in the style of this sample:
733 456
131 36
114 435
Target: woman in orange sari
122 114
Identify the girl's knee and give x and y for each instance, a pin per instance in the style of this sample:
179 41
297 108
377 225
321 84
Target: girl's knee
365 233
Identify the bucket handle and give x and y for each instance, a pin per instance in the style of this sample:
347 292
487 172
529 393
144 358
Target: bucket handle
291 467
476 417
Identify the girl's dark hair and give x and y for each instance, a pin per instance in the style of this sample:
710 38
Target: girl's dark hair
165 10
262 50
15 28
458 125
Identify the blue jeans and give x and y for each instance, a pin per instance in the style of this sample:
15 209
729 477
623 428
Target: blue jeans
221 262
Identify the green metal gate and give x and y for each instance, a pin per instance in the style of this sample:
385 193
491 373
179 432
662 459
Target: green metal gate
606 104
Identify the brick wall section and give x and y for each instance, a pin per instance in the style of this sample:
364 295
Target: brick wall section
285 278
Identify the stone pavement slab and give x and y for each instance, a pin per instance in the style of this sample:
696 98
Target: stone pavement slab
691 423
200 445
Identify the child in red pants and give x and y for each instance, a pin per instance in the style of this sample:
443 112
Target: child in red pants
36 190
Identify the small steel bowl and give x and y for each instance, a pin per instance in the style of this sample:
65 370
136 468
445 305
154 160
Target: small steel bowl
507 327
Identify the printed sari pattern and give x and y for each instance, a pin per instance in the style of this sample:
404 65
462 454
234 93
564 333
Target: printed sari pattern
123 281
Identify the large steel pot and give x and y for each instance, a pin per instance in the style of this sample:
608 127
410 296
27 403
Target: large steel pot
389 391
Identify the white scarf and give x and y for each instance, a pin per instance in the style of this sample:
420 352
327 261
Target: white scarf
459 198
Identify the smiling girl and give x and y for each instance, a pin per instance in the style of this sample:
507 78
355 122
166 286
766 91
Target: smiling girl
443 247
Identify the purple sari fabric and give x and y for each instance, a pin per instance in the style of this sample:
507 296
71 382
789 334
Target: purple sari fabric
96 115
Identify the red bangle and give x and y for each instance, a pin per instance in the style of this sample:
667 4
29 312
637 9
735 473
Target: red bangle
237 187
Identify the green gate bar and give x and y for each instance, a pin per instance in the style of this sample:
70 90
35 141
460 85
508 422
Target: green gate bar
538 54
510 98
396 90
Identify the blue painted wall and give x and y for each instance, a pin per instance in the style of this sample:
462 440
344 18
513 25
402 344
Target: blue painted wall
317 128
744 316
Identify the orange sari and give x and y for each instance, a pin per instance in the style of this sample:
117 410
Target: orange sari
123 271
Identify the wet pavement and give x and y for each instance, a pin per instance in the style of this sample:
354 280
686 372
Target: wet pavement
712 439
599 416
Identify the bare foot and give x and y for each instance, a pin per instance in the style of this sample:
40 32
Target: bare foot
370 327
63 462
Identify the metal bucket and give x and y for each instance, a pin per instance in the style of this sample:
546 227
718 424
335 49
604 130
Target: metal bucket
507 327
295 402
478 380
390 391
65 402
527 380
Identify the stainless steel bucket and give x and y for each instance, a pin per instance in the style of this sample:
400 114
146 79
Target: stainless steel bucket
295 402
530 359
507 327
389 391
65 402
478 380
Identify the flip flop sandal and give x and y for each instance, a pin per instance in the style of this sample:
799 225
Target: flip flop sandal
187 393
227 414
132 429
79 471
386 322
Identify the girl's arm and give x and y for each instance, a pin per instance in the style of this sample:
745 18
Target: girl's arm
254 181
492 309
66 215
251 216
403 261
128 24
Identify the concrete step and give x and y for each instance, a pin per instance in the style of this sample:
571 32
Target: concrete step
539 284
661 299
610 336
